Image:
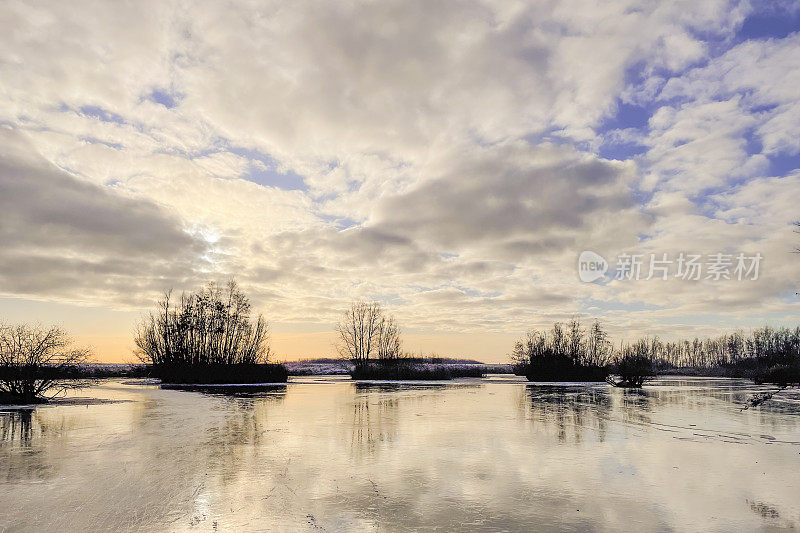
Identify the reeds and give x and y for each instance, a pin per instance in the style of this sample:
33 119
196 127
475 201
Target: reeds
401 370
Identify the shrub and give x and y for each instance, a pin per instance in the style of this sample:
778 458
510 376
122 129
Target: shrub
634 370
559 369
218 374
782 375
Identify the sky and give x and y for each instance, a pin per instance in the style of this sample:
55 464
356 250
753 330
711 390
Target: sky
451 160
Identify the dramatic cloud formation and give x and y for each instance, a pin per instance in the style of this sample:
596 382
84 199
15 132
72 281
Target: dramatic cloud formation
451 159
62 237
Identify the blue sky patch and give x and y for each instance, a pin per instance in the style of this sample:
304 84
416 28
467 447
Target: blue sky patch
101 114
778 22
782 164
164 98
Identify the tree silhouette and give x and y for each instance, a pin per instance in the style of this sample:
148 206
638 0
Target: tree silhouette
35 360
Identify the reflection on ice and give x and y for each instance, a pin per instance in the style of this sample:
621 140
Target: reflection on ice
498 454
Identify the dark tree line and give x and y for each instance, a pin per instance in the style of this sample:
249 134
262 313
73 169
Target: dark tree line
767 345
571 352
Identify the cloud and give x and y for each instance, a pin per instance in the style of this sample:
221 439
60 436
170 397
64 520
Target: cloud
514 198
728 118
65 238
442 157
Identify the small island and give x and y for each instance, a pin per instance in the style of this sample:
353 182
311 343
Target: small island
207 338
371 340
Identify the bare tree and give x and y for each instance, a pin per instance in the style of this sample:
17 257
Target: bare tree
388 338
574 341
558 339
598 347
359 330
35 360
530 349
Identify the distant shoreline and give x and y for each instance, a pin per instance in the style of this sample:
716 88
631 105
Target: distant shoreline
330 367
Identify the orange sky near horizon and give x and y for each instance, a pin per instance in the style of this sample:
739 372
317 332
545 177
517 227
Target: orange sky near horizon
109 332
296 346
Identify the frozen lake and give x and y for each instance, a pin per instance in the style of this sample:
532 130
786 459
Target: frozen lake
327 454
